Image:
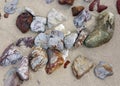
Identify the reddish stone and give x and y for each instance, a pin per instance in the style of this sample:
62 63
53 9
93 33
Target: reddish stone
23 21
118 6
69 2
101 8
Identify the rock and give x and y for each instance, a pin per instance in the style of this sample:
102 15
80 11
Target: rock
24 21
26 41
10 56
38 58
62 28
55 60
65 53
77 10
42 40
56 40
118 6
11 78
38 24
23 69
81 18
69 2
55 18
87 0
81 37
30 11
6 15
49 1
10 7
103 70
69 40
103 31
81 65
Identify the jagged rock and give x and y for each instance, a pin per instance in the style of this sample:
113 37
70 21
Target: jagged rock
81 65
103 31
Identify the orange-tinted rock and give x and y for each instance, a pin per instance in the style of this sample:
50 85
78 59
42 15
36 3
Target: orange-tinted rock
76 10
69 2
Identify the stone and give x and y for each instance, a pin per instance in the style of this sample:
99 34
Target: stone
10 7
87 0
81 65
42 40
62 28
30 11
55 60
38 59
49 1
118 6
76 10
103 31
81 37
26 41
68 2
69 40
24 21
23 69
81 18
103 70
38 24
11 78
55 18
10 56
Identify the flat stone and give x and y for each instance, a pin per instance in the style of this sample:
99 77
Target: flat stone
38 24
23 69
76 10
38 58
68 2
55 60
103 70
81 65
70 39
55 18
103 31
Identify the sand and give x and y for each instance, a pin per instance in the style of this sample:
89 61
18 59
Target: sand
109 52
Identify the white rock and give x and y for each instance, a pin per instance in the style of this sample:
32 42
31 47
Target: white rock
55 18
30 10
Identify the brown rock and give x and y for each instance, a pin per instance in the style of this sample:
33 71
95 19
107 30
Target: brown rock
69 2
81 66
76 10
23 21
6 15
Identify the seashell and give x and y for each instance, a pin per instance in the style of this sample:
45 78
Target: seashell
69 2
103 70
23 69
103 31
26 41
38 58
42 40
77 10
81 18
81 65
118 6
49 1
81 37
69 40
55 18
10 7
38 24
11 78
10 56
55 60
61 28
24 21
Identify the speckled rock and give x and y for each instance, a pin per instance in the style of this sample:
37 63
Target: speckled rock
38 58
103 31
23 69
81 65
55 18
42 40
10 56
70 39
55 60
10 7
38 24
103 70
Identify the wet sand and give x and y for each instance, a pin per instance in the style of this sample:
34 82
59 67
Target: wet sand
63 77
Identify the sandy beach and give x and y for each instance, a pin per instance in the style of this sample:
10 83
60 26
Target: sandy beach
108 52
